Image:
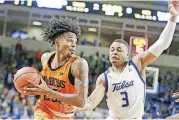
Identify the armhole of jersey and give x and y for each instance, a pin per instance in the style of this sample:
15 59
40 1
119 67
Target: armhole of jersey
106 79
132 63
70 73
71 77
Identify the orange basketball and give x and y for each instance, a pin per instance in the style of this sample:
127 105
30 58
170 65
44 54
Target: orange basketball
23 75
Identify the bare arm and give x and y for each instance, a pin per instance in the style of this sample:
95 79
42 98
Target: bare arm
96 96
164 40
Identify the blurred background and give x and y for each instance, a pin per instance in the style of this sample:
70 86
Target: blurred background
139 23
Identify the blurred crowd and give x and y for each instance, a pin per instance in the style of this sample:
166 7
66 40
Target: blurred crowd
22 35
16 106
91 43
162 105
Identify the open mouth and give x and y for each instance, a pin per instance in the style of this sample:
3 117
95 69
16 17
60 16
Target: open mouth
72 51
114 58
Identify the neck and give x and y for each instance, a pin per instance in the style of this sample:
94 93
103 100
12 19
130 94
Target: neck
59 58
120 67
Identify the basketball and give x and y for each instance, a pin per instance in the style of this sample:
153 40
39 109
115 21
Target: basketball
23 75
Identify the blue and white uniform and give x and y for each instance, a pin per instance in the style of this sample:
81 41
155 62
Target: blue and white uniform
125 93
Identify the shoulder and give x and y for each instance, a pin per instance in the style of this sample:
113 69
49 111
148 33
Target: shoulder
143 59
45 56
79 61
79 66
101 80
137 60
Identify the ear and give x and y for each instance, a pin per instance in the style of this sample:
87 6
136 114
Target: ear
128 55
56 42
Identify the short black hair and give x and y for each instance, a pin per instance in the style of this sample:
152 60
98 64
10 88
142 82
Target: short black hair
58 26
122 41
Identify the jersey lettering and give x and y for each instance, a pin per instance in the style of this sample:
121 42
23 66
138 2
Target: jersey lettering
54 82
122 85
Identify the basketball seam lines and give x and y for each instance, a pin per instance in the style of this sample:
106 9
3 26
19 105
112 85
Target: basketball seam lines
32 81
24 74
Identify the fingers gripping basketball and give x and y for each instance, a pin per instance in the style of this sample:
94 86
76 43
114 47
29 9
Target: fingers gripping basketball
23 75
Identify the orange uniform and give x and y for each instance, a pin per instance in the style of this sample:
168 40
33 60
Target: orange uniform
59 79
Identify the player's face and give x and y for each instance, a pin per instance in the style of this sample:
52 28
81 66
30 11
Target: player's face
66 44
118 53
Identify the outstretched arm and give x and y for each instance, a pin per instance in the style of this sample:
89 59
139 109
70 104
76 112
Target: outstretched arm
165 38
96 96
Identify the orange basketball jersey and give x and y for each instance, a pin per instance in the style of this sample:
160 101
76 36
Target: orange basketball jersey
59 79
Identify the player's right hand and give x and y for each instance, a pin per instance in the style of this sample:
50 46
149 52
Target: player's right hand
173 7
33 91
37 89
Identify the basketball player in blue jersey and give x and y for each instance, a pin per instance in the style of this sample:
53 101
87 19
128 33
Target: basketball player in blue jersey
124 83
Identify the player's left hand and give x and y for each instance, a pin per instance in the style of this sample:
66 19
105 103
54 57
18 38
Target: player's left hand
38 89
173 7
176 95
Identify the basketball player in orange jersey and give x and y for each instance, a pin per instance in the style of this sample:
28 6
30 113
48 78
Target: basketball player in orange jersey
64 82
